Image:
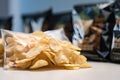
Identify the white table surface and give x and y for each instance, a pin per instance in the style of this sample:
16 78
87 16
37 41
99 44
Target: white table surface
100 71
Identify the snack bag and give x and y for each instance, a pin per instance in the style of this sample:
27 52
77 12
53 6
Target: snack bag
115 50
93 31
37 50
37 21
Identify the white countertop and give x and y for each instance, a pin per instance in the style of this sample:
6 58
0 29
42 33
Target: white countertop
100 71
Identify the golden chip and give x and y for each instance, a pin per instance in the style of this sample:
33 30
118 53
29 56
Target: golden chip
71 66
42 56
85 65
66 44
60 58
55 45
23 65
39 34
51 57
39 63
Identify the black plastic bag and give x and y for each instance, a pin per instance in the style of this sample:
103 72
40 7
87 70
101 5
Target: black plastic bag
37 21
115 50
97 40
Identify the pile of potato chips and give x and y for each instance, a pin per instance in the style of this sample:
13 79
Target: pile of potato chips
36 50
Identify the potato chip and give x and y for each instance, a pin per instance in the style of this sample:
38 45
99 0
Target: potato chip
12 65
9 40
55 45
24 60
42 56
51 57
33 52
38 64
39 34
85 65
66 44
60 58
22 65
19 56
71 66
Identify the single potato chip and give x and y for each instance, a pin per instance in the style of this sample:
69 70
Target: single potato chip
71 66
85 65
51 57
66 44
24 60
23 65
34 52
42 56
38 64
39 34
10 40
55 45
60 58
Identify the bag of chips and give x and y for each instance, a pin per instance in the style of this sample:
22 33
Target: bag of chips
93 30
37 50
37 21
115 50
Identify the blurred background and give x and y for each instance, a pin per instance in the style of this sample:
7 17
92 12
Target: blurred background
16 8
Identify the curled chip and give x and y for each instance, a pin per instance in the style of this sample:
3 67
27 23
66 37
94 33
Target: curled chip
36 50
38 64
71 66
22 65
55 45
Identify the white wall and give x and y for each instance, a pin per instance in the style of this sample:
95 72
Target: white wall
19 7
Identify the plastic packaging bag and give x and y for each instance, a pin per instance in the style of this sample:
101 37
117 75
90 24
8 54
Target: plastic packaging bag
96 37
16 46
36 50
115 50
